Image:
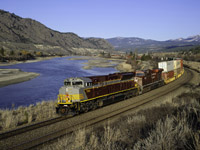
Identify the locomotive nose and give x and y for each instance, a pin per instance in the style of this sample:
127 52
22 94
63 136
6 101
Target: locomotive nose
63 98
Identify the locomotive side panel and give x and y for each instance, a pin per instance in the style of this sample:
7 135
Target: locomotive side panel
109 89
148 76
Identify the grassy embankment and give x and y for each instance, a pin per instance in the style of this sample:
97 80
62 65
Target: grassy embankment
13 118
173 125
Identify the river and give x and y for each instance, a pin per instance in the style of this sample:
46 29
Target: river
44 87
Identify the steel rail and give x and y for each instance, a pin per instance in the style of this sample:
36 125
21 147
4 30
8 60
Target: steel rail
27 128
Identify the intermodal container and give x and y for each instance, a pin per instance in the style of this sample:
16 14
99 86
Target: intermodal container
177 64
177 71
181 63
166 66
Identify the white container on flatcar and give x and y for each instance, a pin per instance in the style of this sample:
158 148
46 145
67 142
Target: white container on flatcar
166 66
177 64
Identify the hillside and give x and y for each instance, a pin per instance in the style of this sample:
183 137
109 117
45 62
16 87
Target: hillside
18 33
143 45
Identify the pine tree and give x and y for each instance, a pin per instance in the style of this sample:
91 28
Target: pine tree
2 51
12 53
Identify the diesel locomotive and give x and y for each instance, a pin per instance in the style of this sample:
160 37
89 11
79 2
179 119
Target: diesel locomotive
86 93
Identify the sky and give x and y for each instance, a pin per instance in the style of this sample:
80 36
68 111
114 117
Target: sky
149 19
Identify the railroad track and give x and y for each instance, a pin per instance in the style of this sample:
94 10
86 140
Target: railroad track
31 127
30 137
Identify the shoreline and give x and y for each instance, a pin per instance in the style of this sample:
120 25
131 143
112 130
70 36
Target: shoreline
27 61
13 76
119 64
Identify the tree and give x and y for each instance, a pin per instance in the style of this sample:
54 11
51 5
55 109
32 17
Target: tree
145 57
102 54
39 54
108 55
34 52
12 53
2 51
136 54
24 52
133 57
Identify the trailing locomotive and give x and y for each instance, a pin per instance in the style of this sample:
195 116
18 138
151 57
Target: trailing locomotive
86 93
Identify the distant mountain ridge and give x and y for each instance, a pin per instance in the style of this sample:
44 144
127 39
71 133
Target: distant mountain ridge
195 38
143 45
18 33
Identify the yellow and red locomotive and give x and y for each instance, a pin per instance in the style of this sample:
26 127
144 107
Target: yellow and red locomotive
85 93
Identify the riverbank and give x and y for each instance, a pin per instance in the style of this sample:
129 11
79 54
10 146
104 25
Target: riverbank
118 64
13 76
27 61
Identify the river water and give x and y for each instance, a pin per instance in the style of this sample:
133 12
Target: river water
44 87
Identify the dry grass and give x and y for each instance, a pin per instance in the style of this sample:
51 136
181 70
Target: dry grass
179 131
193 64
174 125
168 134
13 118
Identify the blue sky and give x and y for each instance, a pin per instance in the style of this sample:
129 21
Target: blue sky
149 19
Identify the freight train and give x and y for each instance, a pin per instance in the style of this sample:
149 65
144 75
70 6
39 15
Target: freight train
82 94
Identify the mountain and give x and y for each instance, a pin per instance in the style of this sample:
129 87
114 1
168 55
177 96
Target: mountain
143 45
18 33
190 39
131 43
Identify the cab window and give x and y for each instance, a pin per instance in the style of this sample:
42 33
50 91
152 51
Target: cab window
67 83
88 84
77 83
139 74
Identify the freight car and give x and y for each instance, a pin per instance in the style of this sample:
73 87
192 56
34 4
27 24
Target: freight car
87 93
171 70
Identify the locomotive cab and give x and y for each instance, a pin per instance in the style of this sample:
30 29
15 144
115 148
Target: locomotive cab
72 92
